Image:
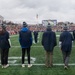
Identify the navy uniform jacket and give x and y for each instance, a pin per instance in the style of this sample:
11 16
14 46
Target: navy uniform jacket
66 41
49 40
74 34
25 38
4 43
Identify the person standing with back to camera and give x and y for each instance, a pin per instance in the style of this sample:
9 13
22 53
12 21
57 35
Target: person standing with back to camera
35 35
49 42
65 43
4 46
25 39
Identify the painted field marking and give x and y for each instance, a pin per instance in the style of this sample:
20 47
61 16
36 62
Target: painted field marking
72 64
13 60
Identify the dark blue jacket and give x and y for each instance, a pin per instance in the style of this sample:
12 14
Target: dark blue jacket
49 40
25 38
66 41
74 34
4 43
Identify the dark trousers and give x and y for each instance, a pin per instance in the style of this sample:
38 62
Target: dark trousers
35 39
66 57
4 56
74 37
28 54
0 53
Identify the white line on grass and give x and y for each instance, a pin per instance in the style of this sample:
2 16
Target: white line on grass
72 64
32 58
13 60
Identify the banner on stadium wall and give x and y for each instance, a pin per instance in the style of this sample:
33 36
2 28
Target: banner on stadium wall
52 22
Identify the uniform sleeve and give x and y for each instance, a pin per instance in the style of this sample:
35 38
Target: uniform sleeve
31 37
9 41
55 41
72 38
20 37
7 36
43 39
60 38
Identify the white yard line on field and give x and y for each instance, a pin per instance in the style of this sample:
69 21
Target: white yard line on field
59 64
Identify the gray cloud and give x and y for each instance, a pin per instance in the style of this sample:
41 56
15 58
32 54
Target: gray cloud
26 10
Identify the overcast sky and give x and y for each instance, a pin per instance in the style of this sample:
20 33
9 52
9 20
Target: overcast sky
26 10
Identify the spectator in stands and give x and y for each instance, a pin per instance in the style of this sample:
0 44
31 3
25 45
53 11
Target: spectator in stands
49 42
35 35
65 42
25 39
4 46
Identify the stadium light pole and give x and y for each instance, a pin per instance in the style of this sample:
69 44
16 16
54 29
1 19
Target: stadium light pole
37 19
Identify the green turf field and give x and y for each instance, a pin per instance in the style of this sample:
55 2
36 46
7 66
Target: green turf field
38 60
